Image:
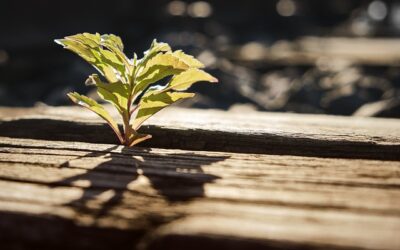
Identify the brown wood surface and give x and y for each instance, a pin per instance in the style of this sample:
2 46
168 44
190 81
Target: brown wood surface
56 195
316 182
212 130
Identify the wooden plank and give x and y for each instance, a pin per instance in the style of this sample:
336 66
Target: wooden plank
75 195
212 130
317 50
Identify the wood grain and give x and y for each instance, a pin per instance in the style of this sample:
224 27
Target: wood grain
76 195
211 130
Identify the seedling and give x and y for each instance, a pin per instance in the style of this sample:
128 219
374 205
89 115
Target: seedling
130 84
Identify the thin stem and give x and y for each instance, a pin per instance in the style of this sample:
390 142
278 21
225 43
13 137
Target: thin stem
126 132
127 118
129 131
127 128
134 109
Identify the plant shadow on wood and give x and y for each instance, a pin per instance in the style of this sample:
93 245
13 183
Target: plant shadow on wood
176 177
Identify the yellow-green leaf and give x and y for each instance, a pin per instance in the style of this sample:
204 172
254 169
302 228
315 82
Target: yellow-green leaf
188 59
161 59
116 93
89 47
152 103
112 41
158 67
185 79
96 108
91 40
111 66
77 48
156 48
115 45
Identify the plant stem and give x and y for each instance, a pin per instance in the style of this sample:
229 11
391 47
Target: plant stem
127 128
134 109
128 131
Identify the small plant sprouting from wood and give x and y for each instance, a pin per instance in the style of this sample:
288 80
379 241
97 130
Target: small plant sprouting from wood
130 83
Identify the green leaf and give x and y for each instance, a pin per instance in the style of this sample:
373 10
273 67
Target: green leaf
158 67
76 47
109 65
111 40
96 108
155 48
91 40
188 59
167 60
152 103
115 45
185 79
89 47
116 93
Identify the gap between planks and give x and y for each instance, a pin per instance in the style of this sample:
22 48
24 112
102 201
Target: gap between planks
211 130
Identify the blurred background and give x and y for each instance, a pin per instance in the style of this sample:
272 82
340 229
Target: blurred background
338 57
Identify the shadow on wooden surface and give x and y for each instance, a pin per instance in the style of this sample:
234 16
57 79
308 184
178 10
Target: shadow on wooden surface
60 233
75 195
174 183
190 178
198 139
175 242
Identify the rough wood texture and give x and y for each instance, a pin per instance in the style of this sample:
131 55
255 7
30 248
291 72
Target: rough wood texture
211 130
74 195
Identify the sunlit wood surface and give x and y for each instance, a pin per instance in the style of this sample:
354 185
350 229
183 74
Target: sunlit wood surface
199 184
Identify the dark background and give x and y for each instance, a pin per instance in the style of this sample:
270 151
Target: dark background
33 69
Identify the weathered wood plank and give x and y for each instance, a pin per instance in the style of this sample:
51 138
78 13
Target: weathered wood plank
316 50
258 132
82 195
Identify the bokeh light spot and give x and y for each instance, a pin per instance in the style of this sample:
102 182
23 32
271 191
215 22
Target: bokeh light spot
286 7
3 56
200 9
176 8
377 10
